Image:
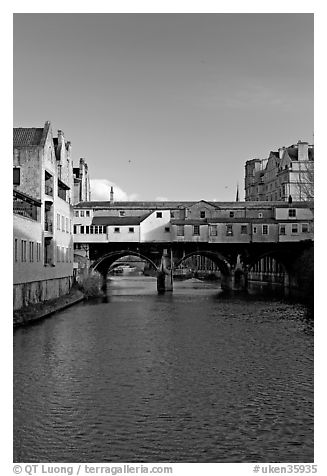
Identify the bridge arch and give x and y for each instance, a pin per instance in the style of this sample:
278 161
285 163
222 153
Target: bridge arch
269 254
103 264
214 256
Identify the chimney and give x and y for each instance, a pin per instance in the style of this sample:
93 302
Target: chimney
302 150
111 195
281 151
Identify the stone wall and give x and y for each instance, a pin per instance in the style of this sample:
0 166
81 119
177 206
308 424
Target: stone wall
33 292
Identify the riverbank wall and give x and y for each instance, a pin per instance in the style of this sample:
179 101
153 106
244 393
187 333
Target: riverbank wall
34 312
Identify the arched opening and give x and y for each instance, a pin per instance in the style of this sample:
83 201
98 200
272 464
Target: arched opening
116 282
268 271
218 260
107 261
128 265
206 265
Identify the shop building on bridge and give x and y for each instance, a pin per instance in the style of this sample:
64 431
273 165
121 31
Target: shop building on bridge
178 223
202 221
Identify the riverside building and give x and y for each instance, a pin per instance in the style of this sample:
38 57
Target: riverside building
286 175
43 214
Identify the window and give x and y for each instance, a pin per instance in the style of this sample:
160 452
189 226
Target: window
159 215
76 213
81 213
229 230
260 215
16 250
117 230
16 176
58 221
97 229
23 251
75 229
131 230
294 228
213 230
122 213
180 230
172 214
31 251
87 229
63 223
196 230
66 253
282 230
292 212
305 228
254 229
244 229
81 230
231 214
87 213
167 229
67 226
70 226
265 229
38 251
58 254
202 214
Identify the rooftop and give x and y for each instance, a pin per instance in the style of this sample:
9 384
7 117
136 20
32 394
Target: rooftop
131 220
107 205
27 136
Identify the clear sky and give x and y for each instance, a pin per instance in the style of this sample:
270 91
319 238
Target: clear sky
166 106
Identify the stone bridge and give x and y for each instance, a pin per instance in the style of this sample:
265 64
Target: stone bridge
238 263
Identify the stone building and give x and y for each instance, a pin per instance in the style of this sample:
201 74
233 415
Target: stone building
43 214
286 175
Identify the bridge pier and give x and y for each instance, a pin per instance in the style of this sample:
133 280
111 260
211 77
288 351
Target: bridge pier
165 274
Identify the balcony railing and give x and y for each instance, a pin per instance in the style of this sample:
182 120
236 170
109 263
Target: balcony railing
25 206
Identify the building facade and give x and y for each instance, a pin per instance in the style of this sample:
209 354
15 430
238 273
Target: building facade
188 222
286 175
43 215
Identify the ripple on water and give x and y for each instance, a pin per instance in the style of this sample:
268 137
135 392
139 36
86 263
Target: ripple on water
184 377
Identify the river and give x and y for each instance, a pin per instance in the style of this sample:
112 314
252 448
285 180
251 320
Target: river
187 376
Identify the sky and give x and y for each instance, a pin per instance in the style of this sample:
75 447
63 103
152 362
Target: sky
166 106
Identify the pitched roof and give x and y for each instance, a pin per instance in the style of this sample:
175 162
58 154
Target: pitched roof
131 220
147 206
129 204
27 136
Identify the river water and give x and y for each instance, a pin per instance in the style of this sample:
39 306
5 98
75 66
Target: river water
183 377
